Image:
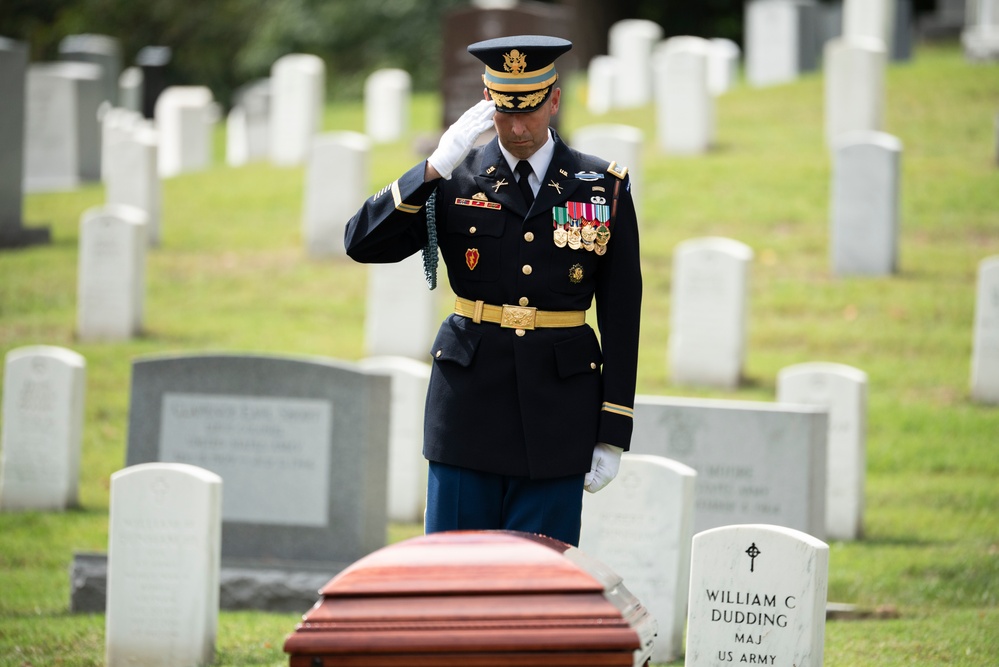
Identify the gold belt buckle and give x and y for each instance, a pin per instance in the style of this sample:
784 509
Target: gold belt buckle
518 317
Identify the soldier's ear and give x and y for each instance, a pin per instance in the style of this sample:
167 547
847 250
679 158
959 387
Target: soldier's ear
485 94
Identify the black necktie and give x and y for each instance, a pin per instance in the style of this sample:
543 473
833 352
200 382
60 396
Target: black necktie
524 171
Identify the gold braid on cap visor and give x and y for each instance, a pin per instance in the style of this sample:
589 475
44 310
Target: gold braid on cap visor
499 83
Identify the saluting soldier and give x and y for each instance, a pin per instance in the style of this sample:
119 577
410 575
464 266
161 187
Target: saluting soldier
526 407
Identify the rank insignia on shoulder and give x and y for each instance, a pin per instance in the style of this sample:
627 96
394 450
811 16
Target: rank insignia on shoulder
588 175
614 169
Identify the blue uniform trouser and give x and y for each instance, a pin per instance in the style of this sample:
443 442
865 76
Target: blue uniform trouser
463 499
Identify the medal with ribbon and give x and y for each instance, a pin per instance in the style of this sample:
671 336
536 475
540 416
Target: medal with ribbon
561 224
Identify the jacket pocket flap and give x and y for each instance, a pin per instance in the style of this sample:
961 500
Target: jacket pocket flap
455 344
580 354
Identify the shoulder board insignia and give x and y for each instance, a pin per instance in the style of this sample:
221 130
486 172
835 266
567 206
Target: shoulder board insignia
588 175
616 170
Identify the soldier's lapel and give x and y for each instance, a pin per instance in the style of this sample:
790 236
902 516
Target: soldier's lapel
497 181
559 183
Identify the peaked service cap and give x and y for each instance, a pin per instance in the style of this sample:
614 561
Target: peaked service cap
520 71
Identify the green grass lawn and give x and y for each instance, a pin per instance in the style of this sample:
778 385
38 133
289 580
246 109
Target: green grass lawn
232 275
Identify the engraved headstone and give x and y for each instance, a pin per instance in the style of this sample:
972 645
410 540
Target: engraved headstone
153 61
164 536
641 527
843 391
709 312
402 315
407 469
13 68
980 36
781 40
854 86
985 350
100 50
111 273
185 116
386 105
685 106
631 42
248 124
617 143
131 166
461 76
865 209
757 596
336 180
311 432
62 146
298 92
600 84
43 391
755 461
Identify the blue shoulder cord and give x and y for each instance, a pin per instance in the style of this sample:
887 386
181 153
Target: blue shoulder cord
430 257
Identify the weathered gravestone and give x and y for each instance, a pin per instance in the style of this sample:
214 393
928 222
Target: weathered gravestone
843 390
100 50
685 106
985 351
13 66
461 76
757 596
407 469
641 527
185 116
980 36
43 390
248 124
781 40
386 104
336 181
631 43
111 273
866 202
62 146
164 536
621 144
854 86
402 315
131 169
709 312
298 91
755 461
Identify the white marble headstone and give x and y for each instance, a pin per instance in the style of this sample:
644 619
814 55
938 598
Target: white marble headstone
298 89
723 65
865 208
130 89
407 469
132 174
600 76
62 134
111 273
854 86
386 104
780 40
980 36
336 182
402 314
685 106
185 118
870 18
618 143
709 312
248 124
43 393
843 390
164 554
757 596
630 43
985 351
756 462
641 526
102 50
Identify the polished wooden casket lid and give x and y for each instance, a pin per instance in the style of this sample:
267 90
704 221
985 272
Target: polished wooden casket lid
474 599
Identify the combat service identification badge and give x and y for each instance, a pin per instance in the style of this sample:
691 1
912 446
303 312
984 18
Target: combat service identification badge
472 258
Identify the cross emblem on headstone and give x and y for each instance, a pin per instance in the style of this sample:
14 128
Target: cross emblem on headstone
752 552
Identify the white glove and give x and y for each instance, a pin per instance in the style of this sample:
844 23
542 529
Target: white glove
603 468
460 137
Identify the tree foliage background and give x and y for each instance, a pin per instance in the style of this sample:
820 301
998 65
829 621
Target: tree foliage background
223 44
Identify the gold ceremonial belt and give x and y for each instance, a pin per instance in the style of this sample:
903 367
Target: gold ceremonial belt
518 317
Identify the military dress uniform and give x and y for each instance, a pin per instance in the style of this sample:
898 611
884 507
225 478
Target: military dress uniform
520 384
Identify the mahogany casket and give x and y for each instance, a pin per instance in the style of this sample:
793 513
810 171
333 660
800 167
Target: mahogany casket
474 599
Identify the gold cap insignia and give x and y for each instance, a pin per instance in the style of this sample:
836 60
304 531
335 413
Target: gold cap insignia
515 62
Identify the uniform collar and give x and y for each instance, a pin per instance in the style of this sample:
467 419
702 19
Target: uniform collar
539 161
